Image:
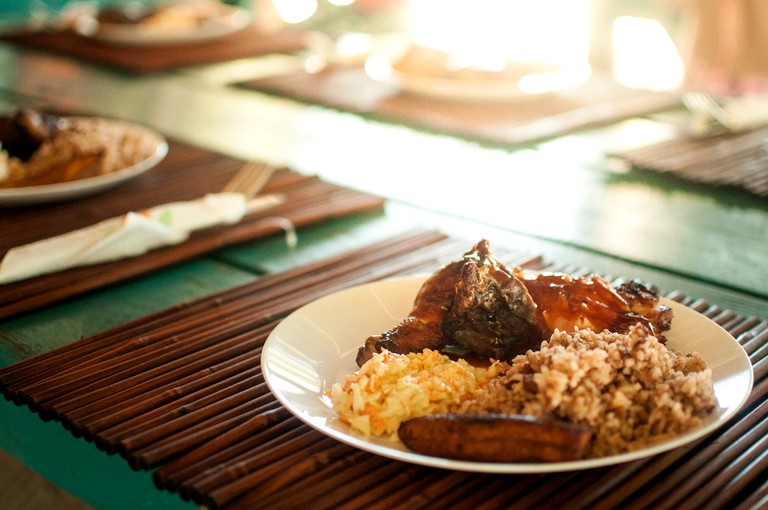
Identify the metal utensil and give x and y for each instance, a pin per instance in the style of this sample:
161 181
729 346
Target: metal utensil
709 109
250 179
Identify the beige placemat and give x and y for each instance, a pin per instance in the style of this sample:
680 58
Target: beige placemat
735 160
599 101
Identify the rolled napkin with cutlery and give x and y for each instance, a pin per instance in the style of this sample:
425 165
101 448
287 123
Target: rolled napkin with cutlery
713 116
129 235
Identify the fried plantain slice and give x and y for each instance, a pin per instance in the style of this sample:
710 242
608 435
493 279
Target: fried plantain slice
495 438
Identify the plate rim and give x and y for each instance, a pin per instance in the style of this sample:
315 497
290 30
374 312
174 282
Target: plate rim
60 191
356 440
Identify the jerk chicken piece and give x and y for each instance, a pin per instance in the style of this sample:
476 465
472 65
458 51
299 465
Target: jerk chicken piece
22 132
590 302
492 313
643 300
488 309
474 302
422 328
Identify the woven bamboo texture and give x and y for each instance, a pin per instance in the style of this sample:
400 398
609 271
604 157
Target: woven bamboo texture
598 102
186 173
735 160
181 393
250 42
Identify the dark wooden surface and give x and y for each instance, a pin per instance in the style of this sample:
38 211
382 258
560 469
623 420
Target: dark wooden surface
737 160
187 173
597 102
181 393
249 42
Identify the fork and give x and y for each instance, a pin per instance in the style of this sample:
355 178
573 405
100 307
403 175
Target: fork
250 179
707 106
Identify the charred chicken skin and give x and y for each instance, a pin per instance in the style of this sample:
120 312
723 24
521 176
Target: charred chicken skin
422 329
22 132
482 306
474 303
491 314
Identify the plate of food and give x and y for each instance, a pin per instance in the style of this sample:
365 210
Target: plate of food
46 157
434 73
164 23
413 369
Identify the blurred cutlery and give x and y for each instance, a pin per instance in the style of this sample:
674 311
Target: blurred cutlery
710 116
250 179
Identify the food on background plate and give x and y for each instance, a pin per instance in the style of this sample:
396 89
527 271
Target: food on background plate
436 63
171 15
39 148
557 351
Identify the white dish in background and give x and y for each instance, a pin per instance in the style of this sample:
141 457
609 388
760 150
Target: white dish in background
315 347
26 195
230 20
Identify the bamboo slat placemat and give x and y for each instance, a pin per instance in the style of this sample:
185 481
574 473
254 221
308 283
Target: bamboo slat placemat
737 160
186 173
250 42
599 101
181 393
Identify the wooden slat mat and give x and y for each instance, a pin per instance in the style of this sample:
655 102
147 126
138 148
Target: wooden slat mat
735 160
250 42
181 393
186 173
599 101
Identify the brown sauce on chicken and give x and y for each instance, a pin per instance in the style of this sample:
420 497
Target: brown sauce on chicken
478 306
590 302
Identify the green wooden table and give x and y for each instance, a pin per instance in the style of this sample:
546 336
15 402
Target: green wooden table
558 198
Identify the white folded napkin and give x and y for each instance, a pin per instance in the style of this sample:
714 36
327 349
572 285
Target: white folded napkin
128 235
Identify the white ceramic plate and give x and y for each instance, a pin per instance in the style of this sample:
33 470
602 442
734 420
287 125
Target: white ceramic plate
315 347
230 21
74 189
380 67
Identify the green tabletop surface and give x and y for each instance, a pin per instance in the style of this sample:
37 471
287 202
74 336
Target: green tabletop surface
560 198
